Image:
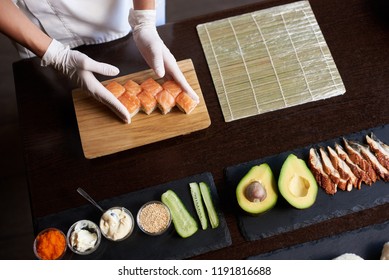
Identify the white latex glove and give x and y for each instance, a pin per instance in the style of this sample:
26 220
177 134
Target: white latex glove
153 49
80 67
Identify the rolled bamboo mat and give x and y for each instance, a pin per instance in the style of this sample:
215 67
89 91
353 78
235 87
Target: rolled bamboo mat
268 60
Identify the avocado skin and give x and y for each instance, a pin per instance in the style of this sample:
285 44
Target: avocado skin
263 174
294 166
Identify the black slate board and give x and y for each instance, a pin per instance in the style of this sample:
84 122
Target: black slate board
139 245
283 217
366 242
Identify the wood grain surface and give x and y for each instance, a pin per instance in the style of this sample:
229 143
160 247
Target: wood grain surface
102 133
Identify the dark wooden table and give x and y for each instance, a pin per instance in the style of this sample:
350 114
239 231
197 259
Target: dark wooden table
357 33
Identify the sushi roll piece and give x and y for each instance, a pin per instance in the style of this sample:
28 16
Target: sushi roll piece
151 86
185 103
165 101
132 88
172 87
148 102
131 102
115 88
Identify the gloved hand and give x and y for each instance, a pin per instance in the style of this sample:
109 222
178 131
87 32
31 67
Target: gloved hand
154 51
80 67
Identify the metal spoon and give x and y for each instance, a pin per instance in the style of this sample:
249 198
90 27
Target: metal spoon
91 200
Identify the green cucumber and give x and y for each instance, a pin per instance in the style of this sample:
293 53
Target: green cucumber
212 214
198 203
184 223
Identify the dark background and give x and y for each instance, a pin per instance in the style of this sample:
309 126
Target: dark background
16 233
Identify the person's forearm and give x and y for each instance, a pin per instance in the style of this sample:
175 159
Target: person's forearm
144 4
16 25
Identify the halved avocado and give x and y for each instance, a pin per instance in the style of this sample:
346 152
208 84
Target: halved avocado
296 183
257 190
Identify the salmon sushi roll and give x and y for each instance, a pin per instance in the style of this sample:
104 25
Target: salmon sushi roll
165 101
148 102
185 103
132 88
151 86
115 88
131 102
172 87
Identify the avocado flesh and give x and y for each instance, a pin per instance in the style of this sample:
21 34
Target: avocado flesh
297 183
263 175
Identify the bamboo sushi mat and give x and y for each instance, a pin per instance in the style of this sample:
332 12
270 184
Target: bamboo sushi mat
268 60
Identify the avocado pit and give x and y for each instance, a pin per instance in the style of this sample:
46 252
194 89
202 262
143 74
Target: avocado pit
255 192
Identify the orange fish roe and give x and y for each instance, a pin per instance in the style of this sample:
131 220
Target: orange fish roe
50 245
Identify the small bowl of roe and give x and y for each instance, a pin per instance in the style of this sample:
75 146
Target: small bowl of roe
154 218
50 244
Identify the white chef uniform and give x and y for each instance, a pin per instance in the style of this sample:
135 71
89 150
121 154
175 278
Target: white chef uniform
79 22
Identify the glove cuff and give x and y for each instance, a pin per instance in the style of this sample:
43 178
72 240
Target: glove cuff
53 51
142 18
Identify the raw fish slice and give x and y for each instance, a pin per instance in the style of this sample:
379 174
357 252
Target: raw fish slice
151 86
172 87
358 172
370 157
185 103
358 159
331 171
131 102
343 169
321 177
380 149
148 102
115 88
165 101
132 88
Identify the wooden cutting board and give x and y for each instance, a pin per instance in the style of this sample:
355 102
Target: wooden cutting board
102 133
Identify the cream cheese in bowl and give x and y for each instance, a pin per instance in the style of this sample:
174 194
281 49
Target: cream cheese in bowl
117 223
84 237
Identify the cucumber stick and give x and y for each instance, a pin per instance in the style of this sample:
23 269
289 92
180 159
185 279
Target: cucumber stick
184 223
212 214
198 203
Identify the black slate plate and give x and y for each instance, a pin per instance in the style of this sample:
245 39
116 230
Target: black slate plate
283 217
366 242
139 245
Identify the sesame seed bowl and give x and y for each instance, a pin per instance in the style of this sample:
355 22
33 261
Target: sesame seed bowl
154 218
